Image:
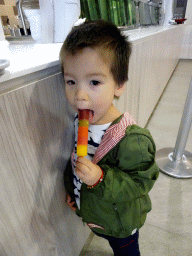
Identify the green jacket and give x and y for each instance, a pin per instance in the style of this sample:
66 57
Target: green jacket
119 204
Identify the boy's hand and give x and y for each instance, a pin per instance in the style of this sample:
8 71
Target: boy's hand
70 203
88 172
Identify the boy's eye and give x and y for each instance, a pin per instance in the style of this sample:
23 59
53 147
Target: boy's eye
70 82
94 82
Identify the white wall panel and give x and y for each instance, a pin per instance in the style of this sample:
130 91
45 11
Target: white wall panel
152 62
187 43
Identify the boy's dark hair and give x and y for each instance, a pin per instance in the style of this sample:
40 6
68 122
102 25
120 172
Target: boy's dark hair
105 36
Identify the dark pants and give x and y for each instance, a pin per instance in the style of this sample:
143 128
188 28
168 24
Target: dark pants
124 246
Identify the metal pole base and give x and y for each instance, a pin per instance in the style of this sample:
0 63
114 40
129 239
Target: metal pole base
177 169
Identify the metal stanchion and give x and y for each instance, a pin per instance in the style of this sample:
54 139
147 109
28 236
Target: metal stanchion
177 162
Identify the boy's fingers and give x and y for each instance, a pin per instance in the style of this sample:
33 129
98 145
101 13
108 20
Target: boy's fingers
79 173
72 206
82 168
85 162
70 202
68 198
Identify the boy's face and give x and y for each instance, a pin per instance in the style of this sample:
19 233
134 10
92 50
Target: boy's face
89 84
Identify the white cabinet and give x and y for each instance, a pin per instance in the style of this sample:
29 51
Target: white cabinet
36 137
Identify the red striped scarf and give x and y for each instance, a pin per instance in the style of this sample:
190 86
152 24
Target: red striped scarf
112 136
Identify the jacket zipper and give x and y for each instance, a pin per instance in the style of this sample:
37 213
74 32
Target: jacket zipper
117 214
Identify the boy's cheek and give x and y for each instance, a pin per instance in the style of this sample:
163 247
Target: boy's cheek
71 100
68 94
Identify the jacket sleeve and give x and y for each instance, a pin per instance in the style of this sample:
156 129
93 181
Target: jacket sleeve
133 172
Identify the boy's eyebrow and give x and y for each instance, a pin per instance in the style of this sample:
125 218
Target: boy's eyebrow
67 74
88 75
96 74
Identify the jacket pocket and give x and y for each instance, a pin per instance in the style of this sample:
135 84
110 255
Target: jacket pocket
101 216
118 216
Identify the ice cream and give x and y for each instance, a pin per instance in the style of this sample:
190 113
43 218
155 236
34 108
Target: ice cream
82 140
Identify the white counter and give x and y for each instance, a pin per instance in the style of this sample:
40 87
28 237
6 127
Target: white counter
28 58
143 32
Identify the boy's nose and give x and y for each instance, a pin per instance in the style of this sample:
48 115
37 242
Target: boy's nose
81 95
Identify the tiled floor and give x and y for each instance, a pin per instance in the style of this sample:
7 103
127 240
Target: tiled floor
168 229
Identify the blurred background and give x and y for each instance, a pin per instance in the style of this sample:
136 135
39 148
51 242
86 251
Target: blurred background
123 13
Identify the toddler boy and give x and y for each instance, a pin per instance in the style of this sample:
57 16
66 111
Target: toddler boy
109 187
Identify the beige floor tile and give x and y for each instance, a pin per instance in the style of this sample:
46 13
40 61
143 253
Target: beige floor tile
171 207
158 242
98 247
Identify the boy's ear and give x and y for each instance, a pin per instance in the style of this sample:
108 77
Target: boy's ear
119 90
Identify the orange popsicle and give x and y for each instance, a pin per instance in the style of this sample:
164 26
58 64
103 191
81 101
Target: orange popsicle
82 140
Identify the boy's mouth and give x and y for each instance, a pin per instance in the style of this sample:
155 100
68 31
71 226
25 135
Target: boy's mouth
88 114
